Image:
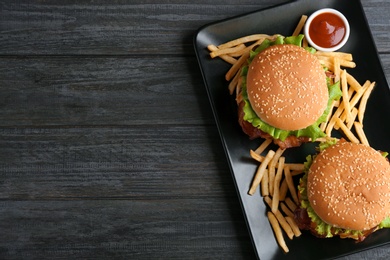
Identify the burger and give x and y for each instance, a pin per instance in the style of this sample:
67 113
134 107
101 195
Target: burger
345 192
286 93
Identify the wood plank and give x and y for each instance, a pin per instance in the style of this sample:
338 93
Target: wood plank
101 27
141 229
122 28
86 91
126 163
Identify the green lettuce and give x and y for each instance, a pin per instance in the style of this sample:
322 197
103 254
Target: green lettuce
385 223
313 131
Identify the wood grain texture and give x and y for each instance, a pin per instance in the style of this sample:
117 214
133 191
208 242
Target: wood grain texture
94 91
124 163
108 146
119 27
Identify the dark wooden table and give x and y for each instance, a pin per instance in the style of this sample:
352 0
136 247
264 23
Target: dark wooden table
108 147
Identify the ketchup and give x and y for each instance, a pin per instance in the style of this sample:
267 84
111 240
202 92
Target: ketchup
327 30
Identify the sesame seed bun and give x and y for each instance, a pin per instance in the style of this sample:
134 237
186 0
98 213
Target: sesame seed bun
348 186
286 87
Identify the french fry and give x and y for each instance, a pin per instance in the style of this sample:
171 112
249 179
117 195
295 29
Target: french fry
245 39
360 133
324 124
285 209
234 83
300 25
219 52
263 146
291 204
344 88
341 55
295 166
294 226
336 68
290 184
277 231
256 156
226 58
332 121
296 172
246 49
272 169
260 172
283 190
264 184
363 102
278 177
347 132
282 221
353 83
236 66
354 113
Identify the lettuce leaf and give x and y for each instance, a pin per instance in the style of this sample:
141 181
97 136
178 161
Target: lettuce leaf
385 223
313 131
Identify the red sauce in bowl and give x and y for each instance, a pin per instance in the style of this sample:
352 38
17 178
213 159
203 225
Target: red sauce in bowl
327 30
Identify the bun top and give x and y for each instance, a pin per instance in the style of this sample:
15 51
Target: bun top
348 186
286 87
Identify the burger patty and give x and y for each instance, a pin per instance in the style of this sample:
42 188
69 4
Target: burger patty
254 132
304 223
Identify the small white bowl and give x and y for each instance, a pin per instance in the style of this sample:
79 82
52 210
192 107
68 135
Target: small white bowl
314 15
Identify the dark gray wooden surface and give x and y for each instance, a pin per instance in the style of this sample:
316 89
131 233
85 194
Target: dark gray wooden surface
108 148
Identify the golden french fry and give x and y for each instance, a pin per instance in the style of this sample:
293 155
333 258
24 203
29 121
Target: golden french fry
277 231
363 102
234 83
282 221
236 66
256 156
291 204
294 226
219 52
295 166
278 177
332 121
300 25
305 43
245 39
290 184
260 172
336 68
344 88
246 49
360 133
285 209
354 113
283 190
225 57
296 172
340 113
347 132
324 124
341 55
272 169
353 83
264 184
263 146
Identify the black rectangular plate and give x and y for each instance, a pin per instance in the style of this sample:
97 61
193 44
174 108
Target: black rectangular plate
282 19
